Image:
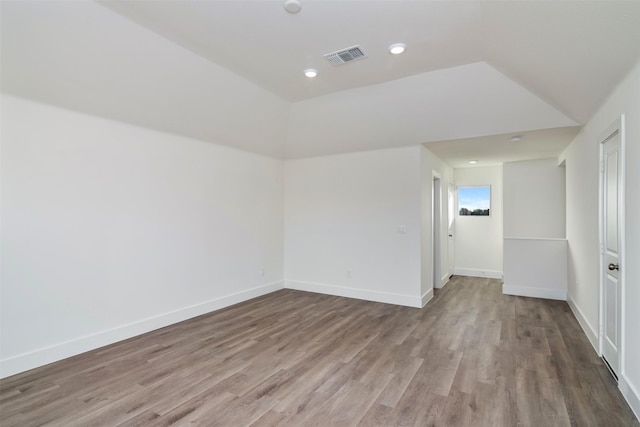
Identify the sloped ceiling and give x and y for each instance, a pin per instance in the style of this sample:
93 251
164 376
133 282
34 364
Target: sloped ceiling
81 56
459 102
498 149
230 72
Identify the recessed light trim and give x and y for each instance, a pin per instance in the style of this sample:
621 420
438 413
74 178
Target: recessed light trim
516 138
473 162
310 72
292 6
397 48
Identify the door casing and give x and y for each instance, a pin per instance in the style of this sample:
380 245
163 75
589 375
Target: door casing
436 228
617 126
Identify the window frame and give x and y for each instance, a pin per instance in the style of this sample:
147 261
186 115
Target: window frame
458 207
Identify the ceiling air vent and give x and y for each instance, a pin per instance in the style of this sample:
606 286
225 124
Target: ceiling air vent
345 55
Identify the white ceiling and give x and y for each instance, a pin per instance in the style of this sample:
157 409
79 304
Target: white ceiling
260 41
498 149
231 71
460 102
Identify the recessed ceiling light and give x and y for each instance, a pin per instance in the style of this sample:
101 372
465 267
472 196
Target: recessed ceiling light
473 162
397 48
292 6
310 72
516 138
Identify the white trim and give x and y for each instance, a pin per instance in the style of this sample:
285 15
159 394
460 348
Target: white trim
623 255
616 127
491 274
364 294
562 160
458 187
600 246
451 227
630 393
436 228
588 329
536 238
444 280
428 296
33 359
527 291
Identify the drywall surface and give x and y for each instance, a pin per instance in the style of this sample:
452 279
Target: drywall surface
534 199
458 102
535 268
582 163
535 251
83 56
433 167
478 239
110 230
352 225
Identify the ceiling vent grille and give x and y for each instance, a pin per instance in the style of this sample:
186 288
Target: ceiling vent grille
345 55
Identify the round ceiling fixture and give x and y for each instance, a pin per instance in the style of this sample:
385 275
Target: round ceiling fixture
310 72
516 138
292 6
473 162
397 48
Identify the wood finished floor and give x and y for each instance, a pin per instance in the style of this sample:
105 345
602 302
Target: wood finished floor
471 357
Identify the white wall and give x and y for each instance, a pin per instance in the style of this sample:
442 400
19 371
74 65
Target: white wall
478 240
535 250
342 215
110 230
434 166
582 158
535 267
83 56
534 199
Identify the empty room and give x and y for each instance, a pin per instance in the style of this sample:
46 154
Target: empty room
319 213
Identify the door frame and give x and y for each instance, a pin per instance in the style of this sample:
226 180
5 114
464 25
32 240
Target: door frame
436 228
616 126
451 219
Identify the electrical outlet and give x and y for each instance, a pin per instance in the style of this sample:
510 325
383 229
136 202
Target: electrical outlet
402 229
262 272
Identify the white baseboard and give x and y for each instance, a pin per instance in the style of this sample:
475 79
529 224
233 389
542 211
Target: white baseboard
426 297
628 390
588 329
491 274
630 393
364 294
526 291
443 281
33 359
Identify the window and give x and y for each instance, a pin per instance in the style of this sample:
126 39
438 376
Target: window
474 201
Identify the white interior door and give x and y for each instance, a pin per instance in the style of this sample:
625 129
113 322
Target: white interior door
611 225
451 215
436 227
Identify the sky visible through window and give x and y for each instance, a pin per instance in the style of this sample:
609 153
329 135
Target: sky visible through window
474 200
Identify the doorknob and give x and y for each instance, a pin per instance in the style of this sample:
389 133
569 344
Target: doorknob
613 266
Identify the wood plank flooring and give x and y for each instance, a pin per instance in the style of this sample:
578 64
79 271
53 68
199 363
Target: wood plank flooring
471 357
